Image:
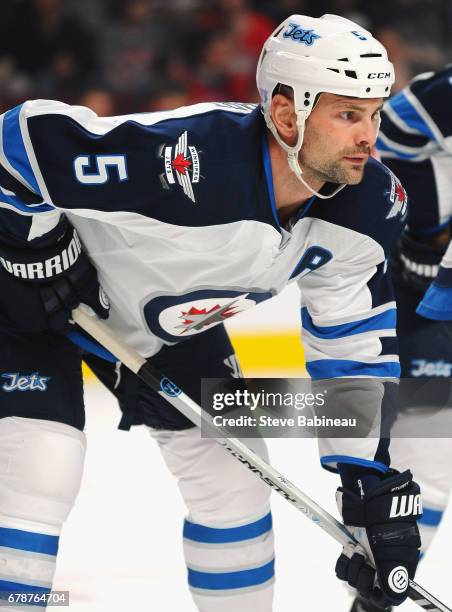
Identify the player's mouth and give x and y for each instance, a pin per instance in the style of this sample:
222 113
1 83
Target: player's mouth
357 159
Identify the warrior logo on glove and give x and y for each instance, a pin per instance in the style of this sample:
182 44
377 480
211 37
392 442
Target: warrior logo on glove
406 505
398 579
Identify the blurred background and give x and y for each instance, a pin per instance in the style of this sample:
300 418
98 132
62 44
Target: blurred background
122 56
126 56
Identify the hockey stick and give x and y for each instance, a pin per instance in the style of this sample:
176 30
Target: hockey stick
177 398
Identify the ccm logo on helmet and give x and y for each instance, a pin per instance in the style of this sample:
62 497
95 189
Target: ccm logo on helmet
406 505
379 75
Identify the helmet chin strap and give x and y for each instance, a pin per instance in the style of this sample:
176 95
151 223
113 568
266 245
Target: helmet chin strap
292 152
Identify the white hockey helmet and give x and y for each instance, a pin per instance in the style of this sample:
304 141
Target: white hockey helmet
312 56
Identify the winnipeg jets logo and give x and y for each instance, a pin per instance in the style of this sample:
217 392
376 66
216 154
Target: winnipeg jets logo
307 37
197 319
177 317
182 165
398 199
31 382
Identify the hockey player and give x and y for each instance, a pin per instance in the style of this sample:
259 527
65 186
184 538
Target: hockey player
190 217
415 142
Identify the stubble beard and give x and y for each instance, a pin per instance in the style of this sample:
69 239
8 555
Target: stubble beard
334 171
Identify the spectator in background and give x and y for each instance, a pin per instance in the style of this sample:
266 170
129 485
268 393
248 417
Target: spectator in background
54 50
208 48
212 78
225 50
99 100
169 98
416 36
249 30
131 47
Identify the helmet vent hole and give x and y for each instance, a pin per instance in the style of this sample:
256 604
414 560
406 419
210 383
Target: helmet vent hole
367 89
343 59
371 55
351 73
334 70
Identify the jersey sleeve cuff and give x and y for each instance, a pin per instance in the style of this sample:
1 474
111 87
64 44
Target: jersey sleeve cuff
330 463
436 303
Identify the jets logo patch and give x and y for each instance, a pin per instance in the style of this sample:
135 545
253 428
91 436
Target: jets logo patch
181 166
300 35
178 317
397 197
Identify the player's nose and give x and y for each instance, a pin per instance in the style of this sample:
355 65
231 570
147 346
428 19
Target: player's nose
366 131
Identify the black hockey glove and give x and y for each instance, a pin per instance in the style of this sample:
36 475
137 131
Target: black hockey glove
41 287
383 520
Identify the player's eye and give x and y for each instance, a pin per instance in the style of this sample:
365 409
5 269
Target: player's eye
347 115
376 115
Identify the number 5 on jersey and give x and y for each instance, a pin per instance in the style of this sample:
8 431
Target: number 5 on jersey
105 168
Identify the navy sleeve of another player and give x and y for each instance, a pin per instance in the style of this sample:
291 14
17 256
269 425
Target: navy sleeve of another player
416 121
437 301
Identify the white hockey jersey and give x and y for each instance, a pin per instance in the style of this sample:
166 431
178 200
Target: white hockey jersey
177 212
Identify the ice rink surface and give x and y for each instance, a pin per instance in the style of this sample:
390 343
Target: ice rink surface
121 547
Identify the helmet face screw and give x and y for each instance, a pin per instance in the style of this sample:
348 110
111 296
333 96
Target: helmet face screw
306 102
368 89
307 94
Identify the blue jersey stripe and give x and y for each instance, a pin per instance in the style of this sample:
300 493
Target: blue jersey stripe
406 111
13 201
231 580
431 517
14 148
331 461
212 535
383 146
334 368
436 303
401 137
27 540
430 230
17 587
383 320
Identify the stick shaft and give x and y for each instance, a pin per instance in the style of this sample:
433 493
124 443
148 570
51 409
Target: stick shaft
267 473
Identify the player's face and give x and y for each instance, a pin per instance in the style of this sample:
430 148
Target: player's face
339 135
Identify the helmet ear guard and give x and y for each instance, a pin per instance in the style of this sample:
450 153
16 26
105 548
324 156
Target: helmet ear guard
313 56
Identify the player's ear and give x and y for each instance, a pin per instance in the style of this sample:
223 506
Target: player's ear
284 118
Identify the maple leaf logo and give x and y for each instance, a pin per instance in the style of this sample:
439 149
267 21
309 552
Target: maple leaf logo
197 318
181 164
400 193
